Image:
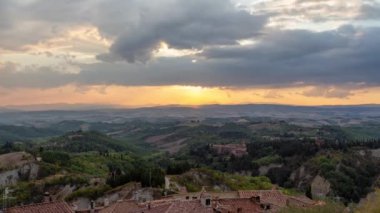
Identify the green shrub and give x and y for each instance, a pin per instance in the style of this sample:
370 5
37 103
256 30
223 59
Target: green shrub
58 158
234 182
329 207
47 169
67 179
89 192
268 160
26 192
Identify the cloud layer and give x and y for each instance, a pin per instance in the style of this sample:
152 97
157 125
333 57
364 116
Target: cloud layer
276 55
285 58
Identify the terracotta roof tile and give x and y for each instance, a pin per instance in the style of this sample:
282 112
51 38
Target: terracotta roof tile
53 207
157 209
242 205
123 206
273 197
193 206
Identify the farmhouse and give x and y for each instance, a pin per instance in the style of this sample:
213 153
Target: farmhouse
237 150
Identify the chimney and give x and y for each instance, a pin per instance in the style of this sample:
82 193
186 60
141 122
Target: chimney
256 199
47 197
92 206
106 202
206 200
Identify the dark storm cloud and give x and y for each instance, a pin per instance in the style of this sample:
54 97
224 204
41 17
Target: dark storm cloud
185 25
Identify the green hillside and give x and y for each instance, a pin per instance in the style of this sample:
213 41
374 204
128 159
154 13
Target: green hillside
76 142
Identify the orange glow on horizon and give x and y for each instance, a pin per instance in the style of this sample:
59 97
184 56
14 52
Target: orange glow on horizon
179 95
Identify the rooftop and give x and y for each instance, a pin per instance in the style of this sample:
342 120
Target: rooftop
53 207
273 197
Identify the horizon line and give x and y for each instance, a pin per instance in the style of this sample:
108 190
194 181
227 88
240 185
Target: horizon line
83 107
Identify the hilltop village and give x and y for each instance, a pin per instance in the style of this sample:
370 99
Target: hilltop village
253 201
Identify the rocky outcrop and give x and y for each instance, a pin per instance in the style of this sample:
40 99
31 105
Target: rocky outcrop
320 187
263 170
28 171
375 153
303 176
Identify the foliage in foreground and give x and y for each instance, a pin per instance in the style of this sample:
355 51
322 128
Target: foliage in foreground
212 177
89 192
330 207
371 205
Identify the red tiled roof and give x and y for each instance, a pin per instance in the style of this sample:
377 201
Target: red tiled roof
273 197
245 205
157 209
123 206
169 206
193 206
53 207
130 206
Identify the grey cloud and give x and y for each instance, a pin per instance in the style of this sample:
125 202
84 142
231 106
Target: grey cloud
345 57
370 10
331 58
12 75
28 22
20 25
137 26
185 25
329 92
5 20
283 45
319 11
311 10
272 94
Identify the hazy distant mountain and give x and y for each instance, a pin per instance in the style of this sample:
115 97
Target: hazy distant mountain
5 109
57 106
95 113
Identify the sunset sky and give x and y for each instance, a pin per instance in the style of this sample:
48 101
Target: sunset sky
189 52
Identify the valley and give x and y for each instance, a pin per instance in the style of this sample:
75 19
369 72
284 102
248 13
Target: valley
329 164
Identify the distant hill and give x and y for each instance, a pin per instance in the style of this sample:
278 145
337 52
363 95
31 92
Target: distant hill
9 133
41 118
84 142
56 106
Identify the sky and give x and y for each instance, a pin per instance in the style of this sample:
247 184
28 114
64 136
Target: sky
136 53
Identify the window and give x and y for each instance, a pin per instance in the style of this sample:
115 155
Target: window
208 202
